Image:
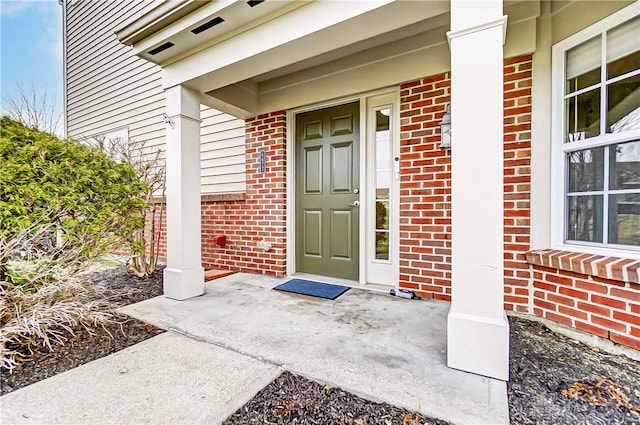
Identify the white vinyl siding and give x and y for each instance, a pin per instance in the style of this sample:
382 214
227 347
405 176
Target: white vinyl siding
109 88
222 153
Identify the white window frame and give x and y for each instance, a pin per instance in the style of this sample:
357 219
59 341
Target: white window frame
559 148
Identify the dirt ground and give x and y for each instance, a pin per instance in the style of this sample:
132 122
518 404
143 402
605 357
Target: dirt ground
554 379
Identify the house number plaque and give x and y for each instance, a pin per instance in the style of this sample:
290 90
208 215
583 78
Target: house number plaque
263 161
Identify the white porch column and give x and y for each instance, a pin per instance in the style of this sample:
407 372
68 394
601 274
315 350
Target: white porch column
478 331
184 275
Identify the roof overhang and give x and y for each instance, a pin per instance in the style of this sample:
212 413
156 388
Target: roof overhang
170 30
162 14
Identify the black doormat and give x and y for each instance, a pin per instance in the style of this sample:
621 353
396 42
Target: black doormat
311 288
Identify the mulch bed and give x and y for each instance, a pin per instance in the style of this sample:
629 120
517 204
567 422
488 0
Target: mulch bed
292 399
557 380
87 345
554 379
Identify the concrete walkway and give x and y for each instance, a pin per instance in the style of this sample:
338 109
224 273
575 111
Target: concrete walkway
225 346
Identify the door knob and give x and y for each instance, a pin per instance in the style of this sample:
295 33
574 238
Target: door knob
355 204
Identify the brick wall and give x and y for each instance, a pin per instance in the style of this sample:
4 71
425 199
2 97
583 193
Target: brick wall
517 181
425 189
425 185
260 215
593 293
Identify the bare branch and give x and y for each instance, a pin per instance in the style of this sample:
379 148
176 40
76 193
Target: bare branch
148 164
34 105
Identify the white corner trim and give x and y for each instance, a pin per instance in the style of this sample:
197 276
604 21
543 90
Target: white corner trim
291 190
487 25
186 117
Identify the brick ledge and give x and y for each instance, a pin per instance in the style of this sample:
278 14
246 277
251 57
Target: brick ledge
221 197
211 197
612 268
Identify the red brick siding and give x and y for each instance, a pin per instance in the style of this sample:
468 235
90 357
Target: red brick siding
425 189
604 307
517 181
594 293
261 216
425 185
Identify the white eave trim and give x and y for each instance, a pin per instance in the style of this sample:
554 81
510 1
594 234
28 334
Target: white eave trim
149 21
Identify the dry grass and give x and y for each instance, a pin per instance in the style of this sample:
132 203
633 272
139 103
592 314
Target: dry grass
46 316
43 297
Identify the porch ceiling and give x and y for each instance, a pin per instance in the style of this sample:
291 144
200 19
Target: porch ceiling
250 47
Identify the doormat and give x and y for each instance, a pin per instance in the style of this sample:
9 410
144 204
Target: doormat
314 289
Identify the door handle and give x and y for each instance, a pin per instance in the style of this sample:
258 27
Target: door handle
354 204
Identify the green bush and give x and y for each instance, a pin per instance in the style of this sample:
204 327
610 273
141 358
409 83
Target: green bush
88 200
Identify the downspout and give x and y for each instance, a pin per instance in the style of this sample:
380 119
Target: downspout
63 3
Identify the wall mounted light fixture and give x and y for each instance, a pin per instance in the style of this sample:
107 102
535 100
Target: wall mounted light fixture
445 129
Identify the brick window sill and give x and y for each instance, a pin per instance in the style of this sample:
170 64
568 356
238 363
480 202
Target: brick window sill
612 268
212 197
223 197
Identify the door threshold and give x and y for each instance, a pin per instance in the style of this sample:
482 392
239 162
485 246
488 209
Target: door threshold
344 282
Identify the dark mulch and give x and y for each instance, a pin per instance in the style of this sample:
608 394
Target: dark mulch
87 345
292 399
599 388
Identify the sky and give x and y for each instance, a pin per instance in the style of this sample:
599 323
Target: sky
31 45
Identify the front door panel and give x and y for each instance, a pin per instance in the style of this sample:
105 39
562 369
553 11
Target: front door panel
327 178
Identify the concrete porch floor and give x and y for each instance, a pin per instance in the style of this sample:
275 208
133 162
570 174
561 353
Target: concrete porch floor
240 335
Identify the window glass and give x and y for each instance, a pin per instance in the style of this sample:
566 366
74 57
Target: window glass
623 48
382 215
583 116
583 65
624 219
623 105
383 168
382 155
584 221
382 245
586 170
624 166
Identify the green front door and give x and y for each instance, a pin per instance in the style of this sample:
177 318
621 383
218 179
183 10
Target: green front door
327 191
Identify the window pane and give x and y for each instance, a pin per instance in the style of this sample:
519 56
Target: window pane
583 65
583 116
624 166
584 221
623 65
586 170
623 105
383 177
382 215
623 48
382 245
624 219
383 154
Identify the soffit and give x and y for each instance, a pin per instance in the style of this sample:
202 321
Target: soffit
174 29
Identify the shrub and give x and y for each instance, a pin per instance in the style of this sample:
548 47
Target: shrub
89 200
61 204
